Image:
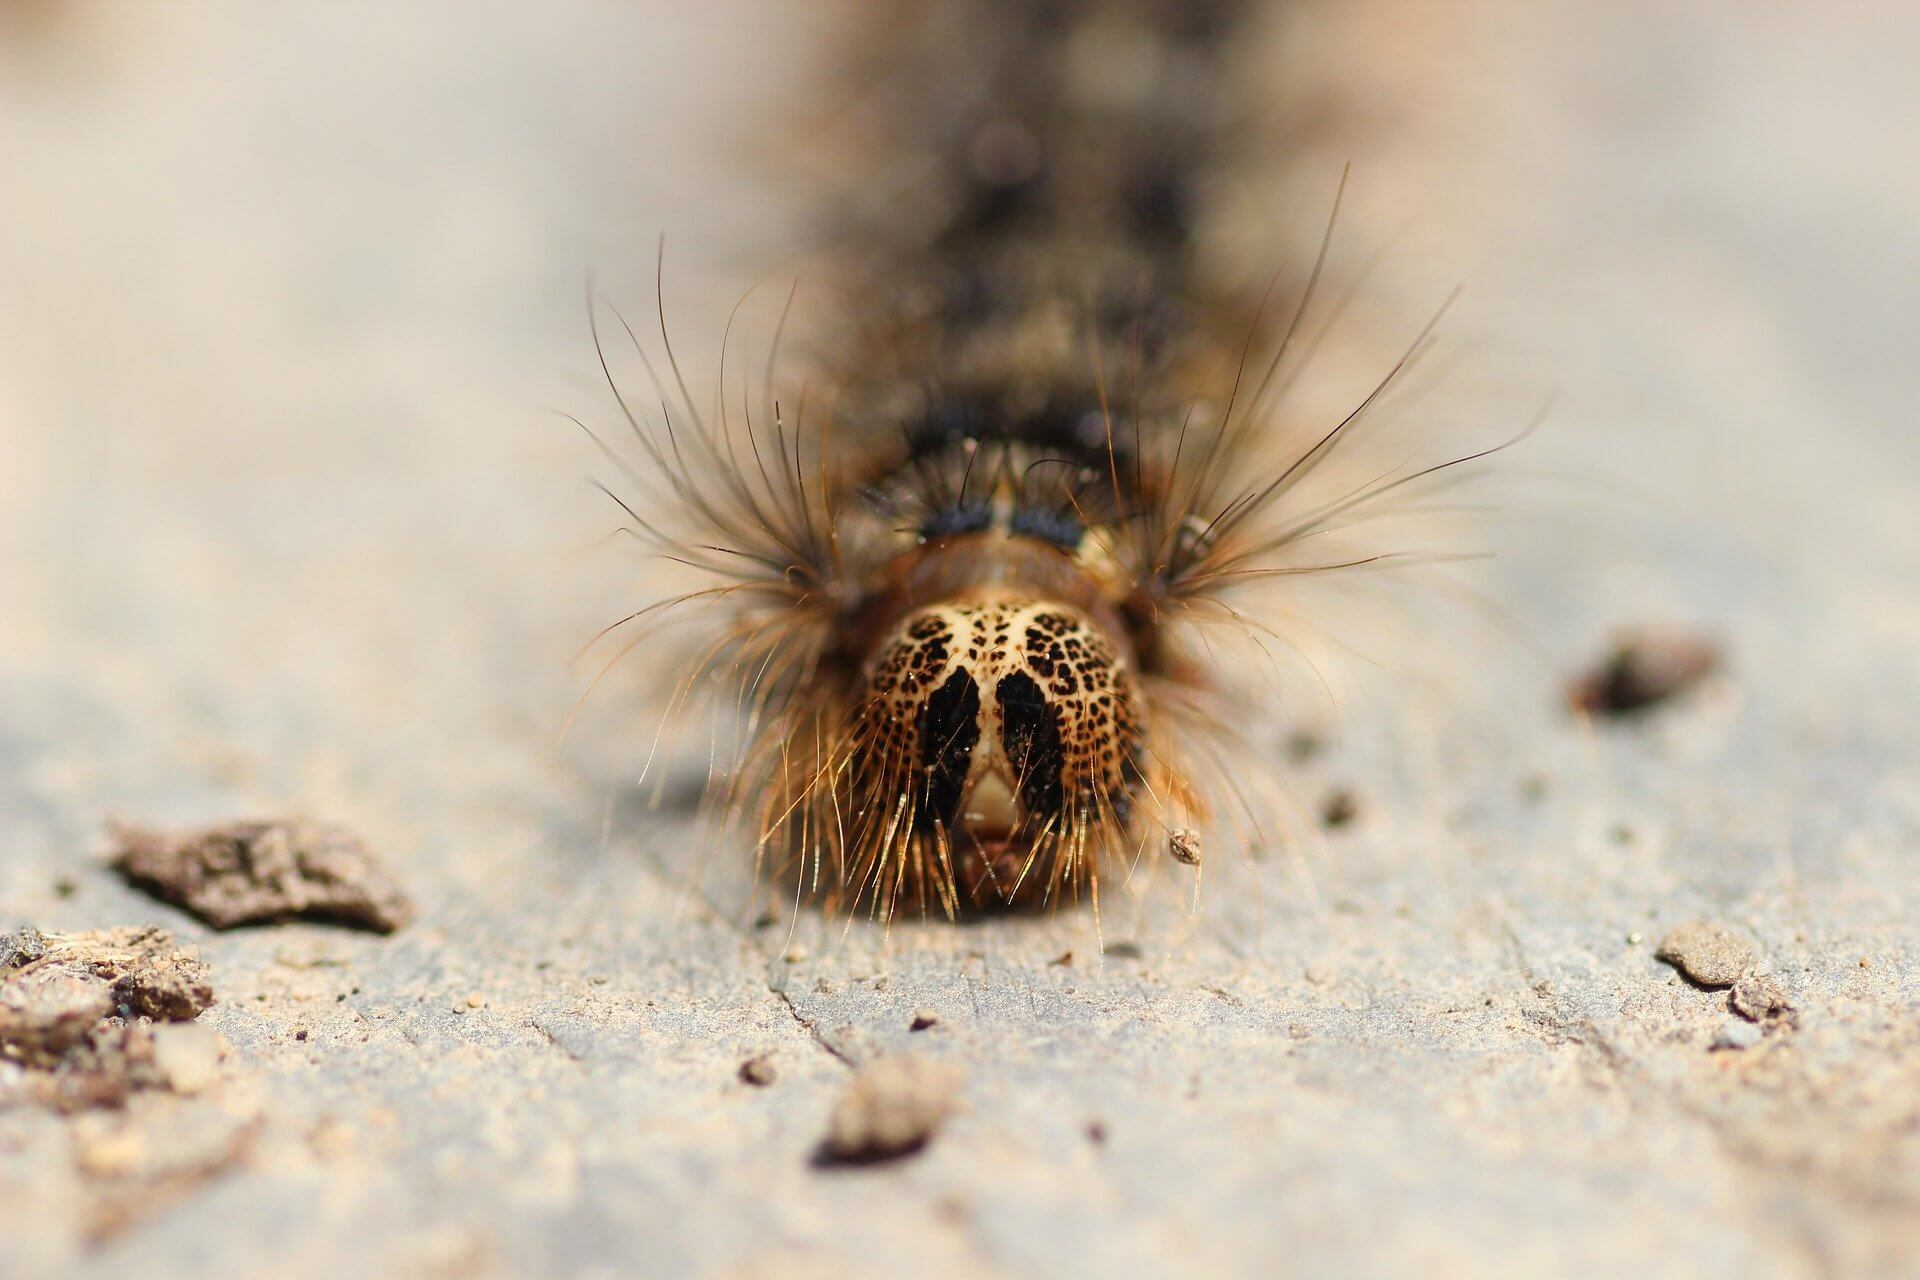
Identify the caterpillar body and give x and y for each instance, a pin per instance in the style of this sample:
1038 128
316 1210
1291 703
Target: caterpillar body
964 574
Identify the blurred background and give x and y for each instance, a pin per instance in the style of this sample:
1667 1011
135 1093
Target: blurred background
292 292
291 296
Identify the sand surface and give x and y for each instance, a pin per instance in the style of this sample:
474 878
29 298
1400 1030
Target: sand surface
288 295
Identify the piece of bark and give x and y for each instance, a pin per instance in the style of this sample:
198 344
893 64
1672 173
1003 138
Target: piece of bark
242 873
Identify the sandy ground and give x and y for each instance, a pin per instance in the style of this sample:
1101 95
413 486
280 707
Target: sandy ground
287 525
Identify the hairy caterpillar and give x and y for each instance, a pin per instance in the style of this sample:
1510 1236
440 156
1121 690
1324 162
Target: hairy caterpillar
965 574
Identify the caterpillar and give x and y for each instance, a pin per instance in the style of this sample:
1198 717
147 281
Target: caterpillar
958 580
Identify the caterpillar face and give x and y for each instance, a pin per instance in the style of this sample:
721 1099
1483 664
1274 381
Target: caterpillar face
1017 721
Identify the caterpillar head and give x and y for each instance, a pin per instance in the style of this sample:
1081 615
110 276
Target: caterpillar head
1015 727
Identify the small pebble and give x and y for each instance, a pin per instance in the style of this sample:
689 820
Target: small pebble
758 1071
1643 669
922 1019
893 1107
1710 954
1736 1035
1634 939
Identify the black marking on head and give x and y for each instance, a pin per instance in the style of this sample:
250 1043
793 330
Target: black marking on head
1030 734
949 728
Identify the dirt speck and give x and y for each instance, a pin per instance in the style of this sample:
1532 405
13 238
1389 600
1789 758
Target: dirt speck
256 872
1644 668
1303 745
1710 955
84 1014
1758 998
1339 809
1184 844
758 1071
892 1107
923 1019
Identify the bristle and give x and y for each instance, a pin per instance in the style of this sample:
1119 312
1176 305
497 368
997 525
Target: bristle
968 589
